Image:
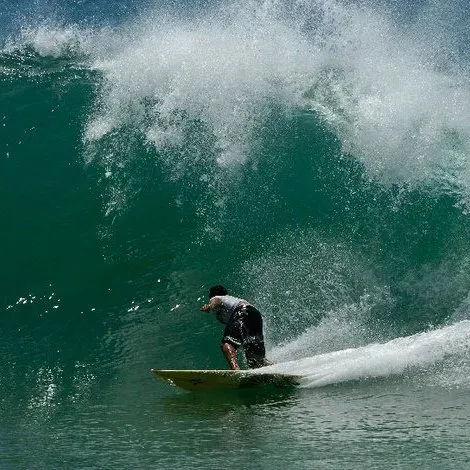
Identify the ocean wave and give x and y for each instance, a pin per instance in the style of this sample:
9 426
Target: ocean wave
383 86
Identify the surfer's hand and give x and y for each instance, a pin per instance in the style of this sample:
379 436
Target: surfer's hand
205 308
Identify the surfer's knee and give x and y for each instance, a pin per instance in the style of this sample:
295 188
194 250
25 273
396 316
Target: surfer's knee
228 348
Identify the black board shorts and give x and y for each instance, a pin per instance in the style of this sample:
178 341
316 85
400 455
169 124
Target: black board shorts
245 328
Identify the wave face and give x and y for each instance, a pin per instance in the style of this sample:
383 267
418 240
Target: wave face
312 156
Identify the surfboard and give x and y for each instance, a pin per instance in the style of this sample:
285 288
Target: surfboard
194 380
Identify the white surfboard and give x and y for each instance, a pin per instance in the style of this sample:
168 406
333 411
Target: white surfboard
194 380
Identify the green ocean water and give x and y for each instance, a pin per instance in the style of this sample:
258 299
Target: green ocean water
312 157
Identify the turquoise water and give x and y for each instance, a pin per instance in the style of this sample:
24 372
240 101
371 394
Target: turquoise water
311 156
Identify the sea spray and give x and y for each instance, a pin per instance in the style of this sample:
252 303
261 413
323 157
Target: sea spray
413 355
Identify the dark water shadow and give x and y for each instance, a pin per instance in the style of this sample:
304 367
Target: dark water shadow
212 402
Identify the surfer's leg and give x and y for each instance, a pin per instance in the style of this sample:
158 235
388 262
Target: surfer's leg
253 344
230 353
255 353
232 340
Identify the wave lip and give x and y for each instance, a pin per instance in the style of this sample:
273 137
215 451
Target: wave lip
382 86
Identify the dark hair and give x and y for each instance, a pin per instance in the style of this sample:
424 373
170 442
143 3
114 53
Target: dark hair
217 290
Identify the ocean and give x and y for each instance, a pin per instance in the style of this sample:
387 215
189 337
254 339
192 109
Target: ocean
311 156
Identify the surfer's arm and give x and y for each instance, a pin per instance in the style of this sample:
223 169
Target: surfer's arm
211 305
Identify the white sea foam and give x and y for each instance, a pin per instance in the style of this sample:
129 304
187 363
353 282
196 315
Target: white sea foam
376 83
387 89
406 354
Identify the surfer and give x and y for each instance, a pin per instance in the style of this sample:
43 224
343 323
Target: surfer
243 327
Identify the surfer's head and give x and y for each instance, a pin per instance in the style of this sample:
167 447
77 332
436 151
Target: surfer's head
217 290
